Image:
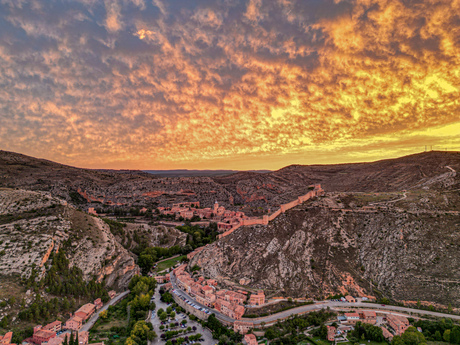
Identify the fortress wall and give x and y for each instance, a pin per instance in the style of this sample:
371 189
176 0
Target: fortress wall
283 208
253 221
274 215
289 205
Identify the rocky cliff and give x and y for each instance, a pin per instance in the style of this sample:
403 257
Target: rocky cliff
33 224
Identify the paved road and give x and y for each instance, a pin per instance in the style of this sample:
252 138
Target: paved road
317 306
90 323
339 305
184 294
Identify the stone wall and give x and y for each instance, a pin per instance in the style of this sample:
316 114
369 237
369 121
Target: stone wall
283 208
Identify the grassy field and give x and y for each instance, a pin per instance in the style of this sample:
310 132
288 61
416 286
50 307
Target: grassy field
169 263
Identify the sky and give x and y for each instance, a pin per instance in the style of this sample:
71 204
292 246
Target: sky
220 84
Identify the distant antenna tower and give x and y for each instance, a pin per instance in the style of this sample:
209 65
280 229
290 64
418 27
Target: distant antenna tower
425 148
431 147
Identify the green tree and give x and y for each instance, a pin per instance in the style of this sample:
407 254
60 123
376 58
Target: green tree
455 335
413 337
437 336
446 335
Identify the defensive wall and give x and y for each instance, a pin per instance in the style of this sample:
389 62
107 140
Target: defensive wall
316 191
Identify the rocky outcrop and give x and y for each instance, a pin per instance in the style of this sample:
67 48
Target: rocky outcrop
34 224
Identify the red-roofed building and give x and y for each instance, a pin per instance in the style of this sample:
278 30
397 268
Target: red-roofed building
74 323
42 336
331 333
257 299
387 334
55 326
242 326
85 311
250 339
352 317
398 323
368 316
6 339
98 303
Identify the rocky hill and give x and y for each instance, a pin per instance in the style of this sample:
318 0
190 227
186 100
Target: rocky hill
34 224
400 238
257 191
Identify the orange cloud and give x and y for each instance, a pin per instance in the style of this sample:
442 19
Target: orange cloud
255 85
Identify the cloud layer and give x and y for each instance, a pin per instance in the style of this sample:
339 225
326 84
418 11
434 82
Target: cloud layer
234 84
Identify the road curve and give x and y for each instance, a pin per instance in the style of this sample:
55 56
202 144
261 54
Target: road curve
90 323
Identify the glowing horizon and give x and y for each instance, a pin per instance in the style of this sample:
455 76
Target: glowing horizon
247 85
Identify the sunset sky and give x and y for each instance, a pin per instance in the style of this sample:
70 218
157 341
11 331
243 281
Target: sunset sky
153 84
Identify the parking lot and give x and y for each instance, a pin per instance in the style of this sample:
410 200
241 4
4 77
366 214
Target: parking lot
156 322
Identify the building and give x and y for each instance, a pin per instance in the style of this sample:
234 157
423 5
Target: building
98 303
368 316
250 339
257 299
331 333
162 279
42 336
74 323
85 311
6 339
55 326
352 317
387 334
350 299
399 324
112 294
242 327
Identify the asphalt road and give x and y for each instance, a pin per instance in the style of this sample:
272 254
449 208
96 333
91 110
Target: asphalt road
90 323
316 306
339 305
187 297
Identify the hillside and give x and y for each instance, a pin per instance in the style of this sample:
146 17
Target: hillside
400 244
257 191
35 224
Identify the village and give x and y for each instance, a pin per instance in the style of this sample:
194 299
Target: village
56 332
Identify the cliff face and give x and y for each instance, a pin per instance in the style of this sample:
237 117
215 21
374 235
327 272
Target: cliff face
402 245
33 224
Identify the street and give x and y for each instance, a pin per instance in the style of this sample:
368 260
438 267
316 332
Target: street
156 323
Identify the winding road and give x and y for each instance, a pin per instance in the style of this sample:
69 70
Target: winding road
312 307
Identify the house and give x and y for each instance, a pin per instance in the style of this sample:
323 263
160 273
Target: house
74 323
350 299
398 323
161 279
112 294
211 282
331 333
207 290
258 298
55 326
98 303
250 339
242 326
368 316
6 339
42 336
386 333
85 311
352 317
